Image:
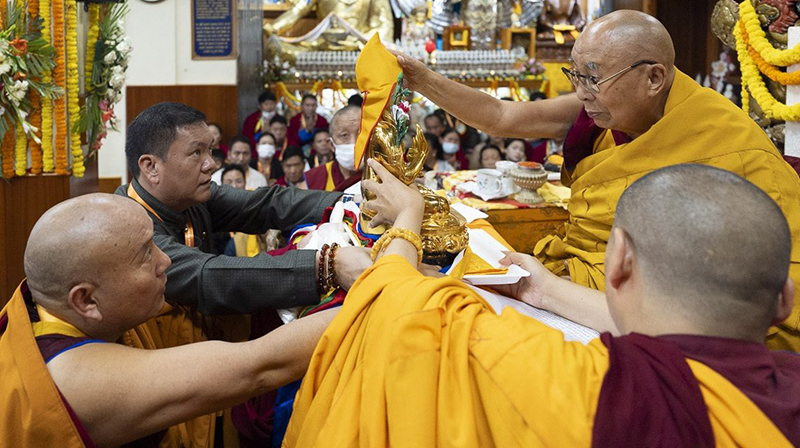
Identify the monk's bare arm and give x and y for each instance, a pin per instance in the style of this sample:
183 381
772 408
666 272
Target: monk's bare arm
579 304
121 393
539 119
545 290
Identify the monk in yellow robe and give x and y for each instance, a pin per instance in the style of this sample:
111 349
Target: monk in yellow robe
423 362
633 112
93 272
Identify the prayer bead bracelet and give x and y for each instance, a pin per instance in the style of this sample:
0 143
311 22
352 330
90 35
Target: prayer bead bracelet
330 279
321 278
396 232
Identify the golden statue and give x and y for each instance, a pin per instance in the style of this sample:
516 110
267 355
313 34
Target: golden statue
444 232
364 16
416 30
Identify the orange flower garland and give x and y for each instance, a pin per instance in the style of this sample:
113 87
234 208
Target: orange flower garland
47 103
766 68
73 88
8 153
36 110
20 139
59 77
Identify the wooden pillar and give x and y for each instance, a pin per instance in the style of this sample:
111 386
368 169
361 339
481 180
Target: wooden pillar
23 200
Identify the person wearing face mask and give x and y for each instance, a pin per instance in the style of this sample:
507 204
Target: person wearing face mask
303 125
339 173
268 164
436 157
239 154
259 121
451 145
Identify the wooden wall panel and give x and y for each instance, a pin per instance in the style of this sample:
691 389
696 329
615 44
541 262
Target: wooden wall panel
688 22
22 202
219 103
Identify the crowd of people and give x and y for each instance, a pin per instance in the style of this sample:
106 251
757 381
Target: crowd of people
681 250
310 140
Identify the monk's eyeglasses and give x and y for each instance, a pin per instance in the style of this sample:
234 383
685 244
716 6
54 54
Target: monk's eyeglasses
591 83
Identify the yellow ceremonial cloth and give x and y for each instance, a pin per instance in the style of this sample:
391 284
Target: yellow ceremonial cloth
376 75
33 414
414 361
698 126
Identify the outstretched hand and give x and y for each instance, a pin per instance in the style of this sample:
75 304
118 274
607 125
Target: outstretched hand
393 197
532 289
414 71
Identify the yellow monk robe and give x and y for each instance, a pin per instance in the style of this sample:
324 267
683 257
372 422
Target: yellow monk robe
699 126
33 414
413 361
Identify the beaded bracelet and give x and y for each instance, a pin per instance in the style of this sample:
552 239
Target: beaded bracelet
330 279
396 232
321 283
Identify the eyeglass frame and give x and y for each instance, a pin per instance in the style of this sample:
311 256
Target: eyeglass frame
594 87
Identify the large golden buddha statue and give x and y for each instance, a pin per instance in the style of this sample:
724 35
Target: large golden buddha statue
366 17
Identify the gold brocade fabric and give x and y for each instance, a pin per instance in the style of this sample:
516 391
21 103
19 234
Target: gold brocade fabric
698 126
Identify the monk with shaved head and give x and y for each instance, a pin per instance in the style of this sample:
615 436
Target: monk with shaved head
632 112
94 272
687 368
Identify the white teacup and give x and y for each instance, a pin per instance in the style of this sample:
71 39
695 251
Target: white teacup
505 166
490 182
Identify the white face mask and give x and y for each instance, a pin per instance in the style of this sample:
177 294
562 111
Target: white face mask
265 151
267 115
346 156
450 147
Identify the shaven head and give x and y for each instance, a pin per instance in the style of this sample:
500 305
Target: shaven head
633 101
628 34
91 261
712 251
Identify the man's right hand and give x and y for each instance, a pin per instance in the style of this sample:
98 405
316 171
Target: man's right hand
414 72
349 263
531 289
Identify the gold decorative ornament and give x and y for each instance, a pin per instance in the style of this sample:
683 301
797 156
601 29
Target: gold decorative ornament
444 232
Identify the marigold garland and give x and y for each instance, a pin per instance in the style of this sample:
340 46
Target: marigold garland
91 45
7 150
36 108
59 77
752 80
745 100
47 103
765 68
758 39
73 88
20 149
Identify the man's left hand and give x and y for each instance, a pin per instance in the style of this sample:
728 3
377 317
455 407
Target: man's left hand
349 263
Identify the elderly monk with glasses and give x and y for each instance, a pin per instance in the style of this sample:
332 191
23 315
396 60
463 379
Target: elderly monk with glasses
632 112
